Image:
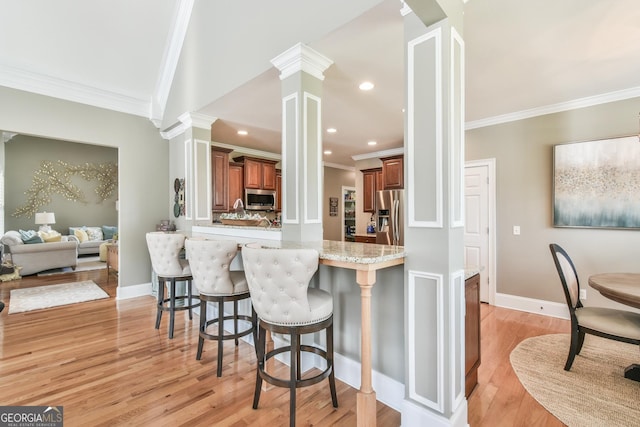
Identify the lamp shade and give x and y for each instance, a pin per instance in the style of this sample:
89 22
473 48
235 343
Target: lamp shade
45 218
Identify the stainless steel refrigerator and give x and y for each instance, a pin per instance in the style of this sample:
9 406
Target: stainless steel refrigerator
390 217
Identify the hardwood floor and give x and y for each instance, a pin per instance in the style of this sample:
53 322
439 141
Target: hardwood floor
499 399
107 365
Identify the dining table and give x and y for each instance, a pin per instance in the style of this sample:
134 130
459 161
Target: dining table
625 289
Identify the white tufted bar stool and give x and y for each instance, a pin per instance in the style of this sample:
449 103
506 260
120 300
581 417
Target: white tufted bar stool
164 250
210 260
279 285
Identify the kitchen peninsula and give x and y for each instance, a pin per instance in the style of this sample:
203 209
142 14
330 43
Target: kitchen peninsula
363 259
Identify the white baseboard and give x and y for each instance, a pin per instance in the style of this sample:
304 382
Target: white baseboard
388 391
417 416
126 292
530 305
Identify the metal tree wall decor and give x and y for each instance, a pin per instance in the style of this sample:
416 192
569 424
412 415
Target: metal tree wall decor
55 178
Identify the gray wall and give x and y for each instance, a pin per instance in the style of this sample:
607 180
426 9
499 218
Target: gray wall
334 179
24 155
524 154
143 163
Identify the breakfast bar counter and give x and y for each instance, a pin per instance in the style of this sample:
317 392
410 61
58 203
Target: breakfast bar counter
365 259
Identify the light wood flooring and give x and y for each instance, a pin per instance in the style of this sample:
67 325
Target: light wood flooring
107 365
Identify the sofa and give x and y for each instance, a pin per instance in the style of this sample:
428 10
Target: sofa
90 239
32 258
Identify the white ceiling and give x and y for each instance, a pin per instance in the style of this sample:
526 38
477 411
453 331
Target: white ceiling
523 59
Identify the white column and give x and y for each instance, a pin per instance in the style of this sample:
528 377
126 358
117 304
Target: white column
301 72
434 238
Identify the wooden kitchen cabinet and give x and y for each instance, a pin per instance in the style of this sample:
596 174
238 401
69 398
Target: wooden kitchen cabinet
268 175
393 173
472 332
236 183
219 179
371 178
258 173
360 238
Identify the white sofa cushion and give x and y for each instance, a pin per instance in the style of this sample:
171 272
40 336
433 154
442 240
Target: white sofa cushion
12 238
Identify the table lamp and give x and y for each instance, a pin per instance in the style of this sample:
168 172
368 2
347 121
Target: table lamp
44 219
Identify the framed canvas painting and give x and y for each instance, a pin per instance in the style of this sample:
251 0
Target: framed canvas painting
597 184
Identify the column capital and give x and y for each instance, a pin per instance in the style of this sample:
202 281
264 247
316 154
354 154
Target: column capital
301 57
197 120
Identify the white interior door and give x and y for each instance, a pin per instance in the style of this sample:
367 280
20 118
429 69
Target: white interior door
477 232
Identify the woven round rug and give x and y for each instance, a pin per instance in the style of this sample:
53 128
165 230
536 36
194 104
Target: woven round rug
593 393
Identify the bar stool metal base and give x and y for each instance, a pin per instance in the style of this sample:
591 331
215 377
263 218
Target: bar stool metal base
169 304
295 378
220 336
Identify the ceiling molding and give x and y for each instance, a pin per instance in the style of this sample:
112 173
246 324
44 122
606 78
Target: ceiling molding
6 136
248 151
197 120
339 166
30 81
301 58
378 154
174 131
170 59
588 101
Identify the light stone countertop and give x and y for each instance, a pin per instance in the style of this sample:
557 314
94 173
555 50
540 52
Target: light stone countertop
329 250
470 271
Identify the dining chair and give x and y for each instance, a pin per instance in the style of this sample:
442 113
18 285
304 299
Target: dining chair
164 250
619 325
210 261
285 304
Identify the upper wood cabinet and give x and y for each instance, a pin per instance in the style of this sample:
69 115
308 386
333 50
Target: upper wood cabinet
236 183
393 173
258 173
219 179
371 178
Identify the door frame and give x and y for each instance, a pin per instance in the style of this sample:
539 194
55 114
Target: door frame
490 164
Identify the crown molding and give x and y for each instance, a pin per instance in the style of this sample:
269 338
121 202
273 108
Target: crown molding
378 154
249 151
301 57
6 136
405 9
171 133
339 166
30 81
197 120
170 59
588 101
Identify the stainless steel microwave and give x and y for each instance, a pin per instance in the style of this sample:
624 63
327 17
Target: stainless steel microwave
259 200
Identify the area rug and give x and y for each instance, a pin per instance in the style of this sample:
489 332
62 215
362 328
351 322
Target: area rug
593 393
40 297
84 264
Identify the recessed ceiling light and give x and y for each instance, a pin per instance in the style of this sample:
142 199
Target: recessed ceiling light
371 143
366 86
243 132
332 130
327 151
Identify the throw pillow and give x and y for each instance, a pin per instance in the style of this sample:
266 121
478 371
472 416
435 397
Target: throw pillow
11 238
93 233
109 231
81 235
30 236
51 236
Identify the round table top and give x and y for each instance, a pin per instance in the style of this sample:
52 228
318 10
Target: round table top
620 287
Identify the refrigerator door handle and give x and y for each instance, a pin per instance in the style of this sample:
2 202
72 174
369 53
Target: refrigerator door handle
396 227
